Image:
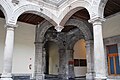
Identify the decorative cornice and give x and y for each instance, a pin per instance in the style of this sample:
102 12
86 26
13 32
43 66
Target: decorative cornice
97 19
10 25
89 42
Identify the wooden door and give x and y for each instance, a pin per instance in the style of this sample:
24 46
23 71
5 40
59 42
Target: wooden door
113 60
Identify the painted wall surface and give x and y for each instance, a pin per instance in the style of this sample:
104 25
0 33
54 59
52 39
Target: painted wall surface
80 53
111 27
23 48
53 58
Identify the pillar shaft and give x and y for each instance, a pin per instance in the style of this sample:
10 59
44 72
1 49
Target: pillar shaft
8 53
90 60
99 55
70 64
62 64
39 72
44 60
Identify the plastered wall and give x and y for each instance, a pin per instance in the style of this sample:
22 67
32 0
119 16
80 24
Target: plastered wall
111 27
53 58
23 54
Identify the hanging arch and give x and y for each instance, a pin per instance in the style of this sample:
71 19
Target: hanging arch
72 8
82 26
42 29
30 8
73 41
45 25
6 9
101 7
97 8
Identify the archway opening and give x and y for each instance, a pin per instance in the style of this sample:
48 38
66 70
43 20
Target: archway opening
81 14
1 14
24 49
2 39
52 58
84 16
30 18
111 7
80 63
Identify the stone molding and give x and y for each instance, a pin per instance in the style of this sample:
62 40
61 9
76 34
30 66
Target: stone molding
95 9
11 26
112 40
15 2
97 21
41 29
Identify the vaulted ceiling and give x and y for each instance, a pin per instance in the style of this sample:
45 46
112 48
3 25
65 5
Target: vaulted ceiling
112 7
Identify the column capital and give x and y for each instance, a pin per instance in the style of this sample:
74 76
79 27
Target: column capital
59 28
8 25
89 41
38 43
97 20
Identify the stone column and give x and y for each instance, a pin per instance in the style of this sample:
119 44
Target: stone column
8 53
62 64
99 55
90 60
39 72
70 64
44 60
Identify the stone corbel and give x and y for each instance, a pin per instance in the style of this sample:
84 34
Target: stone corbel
59 28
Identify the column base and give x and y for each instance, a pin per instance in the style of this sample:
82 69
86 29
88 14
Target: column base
39 76
63 77
6 76
90 76
100 78
6 79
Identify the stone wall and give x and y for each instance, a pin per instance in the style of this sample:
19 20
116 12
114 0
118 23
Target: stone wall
111 41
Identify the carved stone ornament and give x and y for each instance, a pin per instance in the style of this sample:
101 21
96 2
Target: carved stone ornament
15 2
59 28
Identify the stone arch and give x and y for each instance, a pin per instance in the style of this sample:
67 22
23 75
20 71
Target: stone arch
98 8
72 8
82 26
73 41
6 9
102 6
42 29
35 9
